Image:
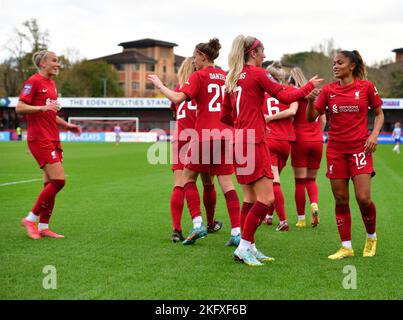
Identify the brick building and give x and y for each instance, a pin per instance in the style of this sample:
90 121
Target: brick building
399 54
140 58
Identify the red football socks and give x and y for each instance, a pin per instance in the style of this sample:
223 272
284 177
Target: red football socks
44 216
233 207
209 201
279 201
192 199
46 200
312 189
271 210
300 195
343 220
369 217
176 203
253 220
246 206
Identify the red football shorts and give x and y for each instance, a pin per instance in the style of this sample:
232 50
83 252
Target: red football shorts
279 152
347 165
214 157
306 154
45 151
252 162
179 150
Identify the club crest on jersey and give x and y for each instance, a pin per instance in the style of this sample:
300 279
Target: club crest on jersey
27 89
357 95
334 108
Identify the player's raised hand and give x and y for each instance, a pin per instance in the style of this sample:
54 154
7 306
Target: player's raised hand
316 81
76 129
313 95
53 106
155 80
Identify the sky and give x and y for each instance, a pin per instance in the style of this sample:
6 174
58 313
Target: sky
94 28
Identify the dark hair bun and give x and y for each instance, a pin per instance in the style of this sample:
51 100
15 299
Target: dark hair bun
211 49
215 44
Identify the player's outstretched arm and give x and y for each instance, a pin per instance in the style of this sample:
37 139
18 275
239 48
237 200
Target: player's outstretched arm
286 96
23 108
290 112
175 97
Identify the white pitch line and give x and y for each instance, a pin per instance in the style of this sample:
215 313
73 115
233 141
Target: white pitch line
18 182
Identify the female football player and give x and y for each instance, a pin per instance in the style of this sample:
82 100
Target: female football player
38 100
280 134
246 85
306 154
185 115
209 147
350 146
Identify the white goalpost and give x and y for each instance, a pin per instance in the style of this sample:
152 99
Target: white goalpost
106 124
102 129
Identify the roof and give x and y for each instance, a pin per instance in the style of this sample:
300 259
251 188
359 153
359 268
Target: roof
400 50
146 43
132 56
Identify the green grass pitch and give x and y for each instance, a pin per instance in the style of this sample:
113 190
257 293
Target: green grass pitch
114 212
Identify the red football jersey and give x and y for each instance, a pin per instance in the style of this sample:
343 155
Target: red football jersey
40 91
185 114
248 100
348 108
304 130
281 129
206 87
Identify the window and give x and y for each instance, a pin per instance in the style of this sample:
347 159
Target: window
135 67
120 66
136 85
149 86
164 69
150 67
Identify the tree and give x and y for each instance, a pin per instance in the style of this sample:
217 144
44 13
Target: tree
396 80
312 63
86 79
18 67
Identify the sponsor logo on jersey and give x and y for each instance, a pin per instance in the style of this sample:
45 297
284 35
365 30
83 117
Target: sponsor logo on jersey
27 89
50 101
349 109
